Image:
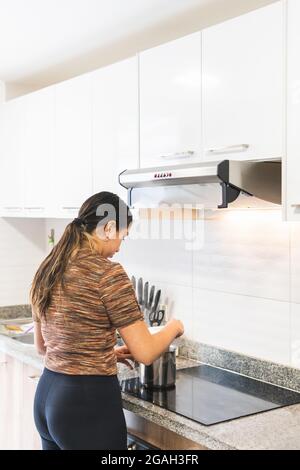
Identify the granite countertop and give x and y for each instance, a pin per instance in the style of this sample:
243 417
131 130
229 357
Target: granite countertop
275 429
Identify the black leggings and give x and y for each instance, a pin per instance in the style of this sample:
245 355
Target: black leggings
79 412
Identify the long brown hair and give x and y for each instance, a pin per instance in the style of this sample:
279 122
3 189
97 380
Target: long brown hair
94 212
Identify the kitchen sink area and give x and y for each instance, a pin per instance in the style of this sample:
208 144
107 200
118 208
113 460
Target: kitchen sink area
27 339
20 329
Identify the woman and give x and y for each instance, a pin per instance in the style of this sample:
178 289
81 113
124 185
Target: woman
79 298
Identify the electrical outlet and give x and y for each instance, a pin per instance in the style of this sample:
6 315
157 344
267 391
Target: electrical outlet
51 238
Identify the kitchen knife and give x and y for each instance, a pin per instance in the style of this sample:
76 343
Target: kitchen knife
151 297
156 301
140 291
133 282
145 299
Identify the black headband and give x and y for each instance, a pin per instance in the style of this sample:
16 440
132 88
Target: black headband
79 222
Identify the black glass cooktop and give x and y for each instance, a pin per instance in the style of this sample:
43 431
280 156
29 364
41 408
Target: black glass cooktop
210 395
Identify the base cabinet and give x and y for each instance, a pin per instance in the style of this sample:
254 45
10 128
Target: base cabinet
30 438
17 389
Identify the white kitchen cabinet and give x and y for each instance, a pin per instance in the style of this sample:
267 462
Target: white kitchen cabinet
115 124
292 163
170 102
11 394
12 115
38 153
18 385
243 86
3 369
30 438
72 145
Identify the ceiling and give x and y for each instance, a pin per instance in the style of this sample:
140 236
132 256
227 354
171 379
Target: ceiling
46 41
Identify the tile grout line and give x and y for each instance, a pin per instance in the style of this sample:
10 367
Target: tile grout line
224 292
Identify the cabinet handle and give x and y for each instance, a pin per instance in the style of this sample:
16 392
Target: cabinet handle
295 205
13 208
188 154
228 149
70 208
34 378
34 208
3 363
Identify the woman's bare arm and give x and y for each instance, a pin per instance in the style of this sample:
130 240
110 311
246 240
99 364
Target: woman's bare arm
144 346
38 337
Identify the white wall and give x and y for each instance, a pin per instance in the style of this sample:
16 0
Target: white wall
22 248
240 291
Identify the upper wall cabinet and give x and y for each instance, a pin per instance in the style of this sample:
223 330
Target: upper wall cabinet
38 153
72 145
292 189
170 102
12 118
115 124
243 86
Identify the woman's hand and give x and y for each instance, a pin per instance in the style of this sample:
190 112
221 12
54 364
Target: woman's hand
123 355
178 325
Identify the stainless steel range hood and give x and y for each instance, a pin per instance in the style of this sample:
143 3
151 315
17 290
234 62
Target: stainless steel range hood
261 179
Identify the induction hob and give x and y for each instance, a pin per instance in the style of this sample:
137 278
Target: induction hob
210 395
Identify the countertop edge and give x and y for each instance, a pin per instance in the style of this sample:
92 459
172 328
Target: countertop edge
173 422
26 354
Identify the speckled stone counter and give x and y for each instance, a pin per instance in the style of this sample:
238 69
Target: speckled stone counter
15 311
276 429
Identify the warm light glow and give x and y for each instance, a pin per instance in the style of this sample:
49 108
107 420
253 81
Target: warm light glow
252 215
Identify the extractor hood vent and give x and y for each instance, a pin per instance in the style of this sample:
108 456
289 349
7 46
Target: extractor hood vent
261 179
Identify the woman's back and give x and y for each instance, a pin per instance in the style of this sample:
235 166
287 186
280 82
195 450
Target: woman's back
79 328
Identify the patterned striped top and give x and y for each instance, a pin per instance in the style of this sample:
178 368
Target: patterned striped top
80 326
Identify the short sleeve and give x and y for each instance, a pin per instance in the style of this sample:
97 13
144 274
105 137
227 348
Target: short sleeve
117 294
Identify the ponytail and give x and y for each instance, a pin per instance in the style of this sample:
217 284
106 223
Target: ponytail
52 269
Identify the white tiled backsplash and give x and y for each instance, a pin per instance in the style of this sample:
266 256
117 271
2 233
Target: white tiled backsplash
240 292
22 248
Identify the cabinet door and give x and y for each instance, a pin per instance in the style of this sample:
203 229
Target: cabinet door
170 102
18 384
12 406
30 439
73 153
292 167
3 403
38 153
243 86
12 158
115 124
